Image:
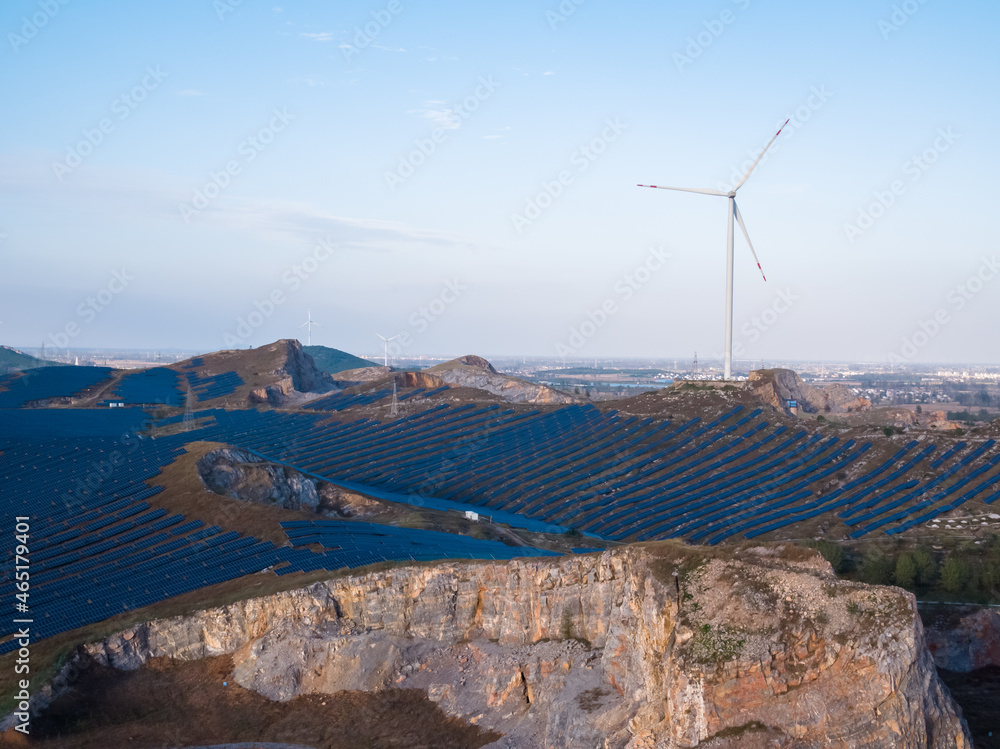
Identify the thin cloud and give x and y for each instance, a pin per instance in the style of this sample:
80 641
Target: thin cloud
441 116
497 136
319 36
191 92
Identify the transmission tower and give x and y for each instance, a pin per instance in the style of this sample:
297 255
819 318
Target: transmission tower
394 409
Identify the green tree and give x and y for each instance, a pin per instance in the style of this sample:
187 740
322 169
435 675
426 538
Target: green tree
954 574
906 570
927 569
991 576
833 553
876 568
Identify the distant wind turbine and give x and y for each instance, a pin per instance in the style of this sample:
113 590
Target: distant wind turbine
733 212
310 322
386 342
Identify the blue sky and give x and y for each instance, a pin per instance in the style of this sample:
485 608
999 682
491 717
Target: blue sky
506 99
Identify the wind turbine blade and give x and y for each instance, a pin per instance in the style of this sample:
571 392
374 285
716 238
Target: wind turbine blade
743 228
305 323
686 189
754 165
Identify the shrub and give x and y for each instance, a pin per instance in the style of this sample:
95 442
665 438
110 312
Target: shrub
832 552
877 568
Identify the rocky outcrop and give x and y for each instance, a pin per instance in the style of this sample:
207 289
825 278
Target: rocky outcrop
241 475
777 386
238 474
971 643
296 373
475 372
418 380
362 374
662 646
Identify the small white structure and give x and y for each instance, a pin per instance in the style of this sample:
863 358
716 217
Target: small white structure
473 516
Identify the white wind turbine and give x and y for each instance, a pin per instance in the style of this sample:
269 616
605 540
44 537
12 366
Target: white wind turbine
310 322
733 212
386 342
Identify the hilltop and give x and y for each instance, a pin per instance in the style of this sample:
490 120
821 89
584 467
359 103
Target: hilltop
278 374
331 360
477 373
13 360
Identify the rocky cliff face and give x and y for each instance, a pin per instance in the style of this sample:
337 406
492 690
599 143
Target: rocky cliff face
238 474
294 372
475 372
775 386
637 647
971 643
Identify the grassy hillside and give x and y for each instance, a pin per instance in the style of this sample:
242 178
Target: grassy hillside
12 359
332 360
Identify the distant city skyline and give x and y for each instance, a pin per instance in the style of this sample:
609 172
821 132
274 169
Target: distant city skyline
200 175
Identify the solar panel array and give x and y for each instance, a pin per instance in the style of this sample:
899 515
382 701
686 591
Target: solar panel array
19 389
341 401
213 386
158 385
97 546
352 541
622 477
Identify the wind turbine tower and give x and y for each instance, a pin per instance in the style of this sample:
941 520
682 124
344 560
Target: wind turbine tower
733 213
309 322
386 342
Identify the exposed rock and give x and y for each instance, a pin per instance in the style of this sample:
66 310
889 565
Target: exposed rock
972 643
363 374
776 386
419 380
475 372
273 395
335 501
241 475
238 474
636 647
296 374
